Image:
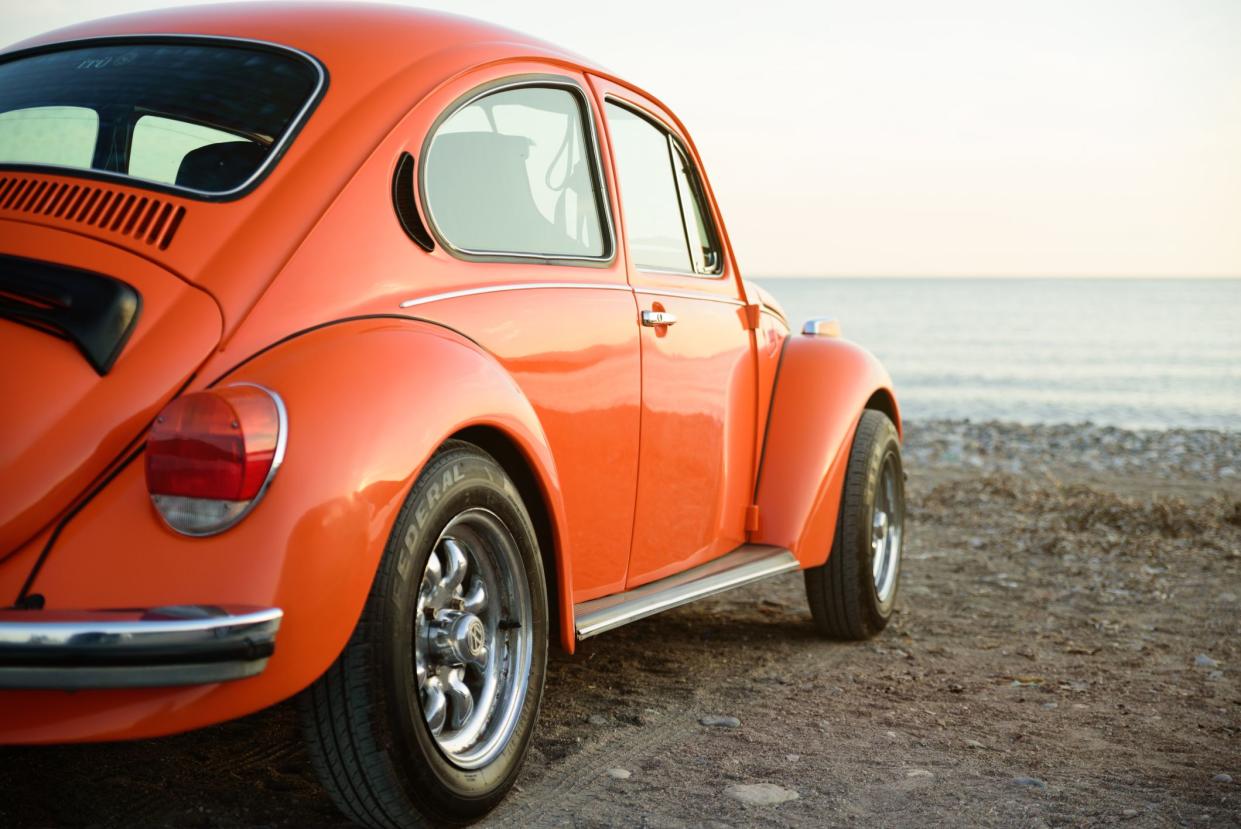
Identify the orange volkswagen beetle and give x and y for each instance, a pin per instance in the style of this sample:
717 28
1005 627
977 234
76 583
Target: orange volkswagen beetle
359 353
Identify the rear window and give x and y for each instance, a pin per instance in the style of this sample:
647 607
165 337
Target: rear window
208 117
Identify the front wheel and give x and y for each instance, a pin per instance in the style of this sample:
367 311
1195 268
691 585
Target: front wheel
853 593
427 714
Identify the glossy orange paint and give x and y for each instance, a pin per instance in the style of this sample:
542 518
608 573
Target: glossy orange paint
823 386
698 399
582 378
64 426
644 444
313 546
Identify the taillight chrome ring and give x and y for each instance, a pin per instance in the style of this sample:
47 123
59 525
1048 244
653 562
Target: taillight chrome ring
282 436
194 517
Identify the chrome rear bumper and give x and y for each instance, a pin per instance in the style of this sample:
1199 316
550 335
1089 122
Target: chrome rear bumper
160 647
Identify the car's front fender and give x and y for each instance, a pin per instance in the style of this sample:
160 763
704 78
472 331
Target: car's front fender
822 387
368 401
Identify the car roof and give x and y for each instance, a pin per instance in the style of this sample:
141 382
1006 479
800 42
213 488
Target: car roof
364 46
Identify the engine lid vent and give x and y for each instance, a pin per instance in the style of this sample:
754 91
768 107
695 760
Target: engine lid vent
150 220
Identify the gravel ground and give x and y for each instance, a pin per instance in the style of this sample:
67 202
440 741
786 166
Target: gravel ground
1066 653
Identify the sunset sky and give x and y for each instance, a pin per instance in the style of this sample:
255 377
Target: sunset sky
910 138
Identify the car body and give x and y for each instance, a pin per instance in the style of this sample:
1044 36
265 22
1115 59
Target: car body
641 449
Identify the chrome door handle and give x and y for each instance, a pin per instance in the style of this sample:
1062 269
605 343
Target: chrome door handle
653 318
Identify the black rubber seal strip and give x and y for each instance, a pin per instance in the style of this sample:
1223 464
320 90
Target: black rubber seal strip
775 384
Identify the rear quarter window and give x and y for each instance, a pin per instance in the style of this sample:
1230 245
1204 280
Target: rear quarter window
513 173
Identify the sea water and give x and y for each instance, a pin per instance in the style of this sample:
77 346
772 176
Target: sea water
1135 353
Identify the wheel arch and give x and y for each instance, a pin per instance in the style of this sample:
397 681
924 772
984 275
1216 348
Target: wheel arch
884 401
823 387
518 465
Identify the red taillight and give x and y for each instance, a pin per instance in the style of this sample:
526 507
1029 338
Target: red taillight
211 454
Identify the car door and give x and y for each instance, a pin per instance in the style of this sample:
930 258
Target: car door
696 453
525 263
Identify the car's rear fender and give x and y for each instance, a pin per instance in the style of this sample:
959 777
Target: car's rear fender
368 401
821 389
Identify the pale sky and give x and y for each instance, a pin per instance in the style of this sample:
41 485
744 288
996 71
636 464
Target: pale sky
961 137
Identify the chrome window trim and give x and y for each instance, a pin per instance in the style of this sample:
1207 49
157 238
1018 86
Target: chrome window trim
273 155
603 197
674 136
666 271
515 286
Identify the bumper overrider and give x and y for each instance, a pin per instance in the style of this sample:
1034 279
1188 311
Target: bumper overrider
155 648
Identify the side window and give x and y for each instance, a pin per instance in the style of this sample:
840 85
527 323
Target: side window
160 145
49 135
702 247
664 210
513 173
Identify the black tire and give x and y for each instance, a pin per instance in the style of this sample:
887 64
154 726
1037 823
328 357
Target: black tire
363 720
844 599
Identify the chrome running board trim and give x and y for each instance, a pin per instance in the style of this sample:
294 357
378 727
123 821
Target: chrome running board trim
748 563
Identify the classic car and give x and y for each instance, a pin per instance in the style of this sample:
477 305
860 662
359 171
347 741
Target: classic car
361 354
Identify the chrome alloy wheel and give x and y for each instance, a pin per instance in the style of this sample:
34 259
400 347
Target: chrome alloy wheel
887 524
473 638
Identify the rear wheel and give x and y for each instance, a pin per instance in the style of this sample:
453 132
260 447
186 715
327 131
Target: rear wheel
427 714
853 593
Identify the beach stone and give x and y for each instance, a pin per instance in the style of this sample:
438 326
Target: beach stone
1204 661
720 721
1228 597
1222 778
619 774
760 794
918 773
1032 782
1129 814
1050 706
597 719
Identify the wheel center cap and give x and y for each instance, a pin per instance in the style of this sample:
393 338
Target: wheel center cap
475 637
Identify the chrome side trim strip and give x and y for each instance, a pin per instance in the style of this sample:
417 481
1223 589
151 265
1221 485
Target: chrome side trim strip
516 286
538 286
748 563
772 312
727 300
